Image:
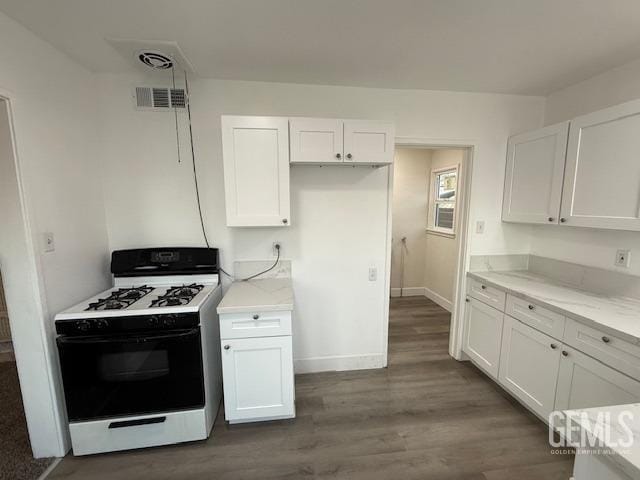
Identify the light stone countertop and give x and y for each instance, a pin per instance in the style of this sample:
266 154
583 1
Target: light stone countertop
618 316
266 295
612 433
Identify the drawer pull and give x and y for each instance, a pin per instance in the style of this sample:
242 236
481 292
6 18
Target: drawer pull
565 353
606 339
483 287
226 347
531 307
553 346
255 317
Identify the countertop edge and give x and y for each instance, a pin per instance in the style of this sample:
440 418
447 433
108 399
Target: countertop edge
574 316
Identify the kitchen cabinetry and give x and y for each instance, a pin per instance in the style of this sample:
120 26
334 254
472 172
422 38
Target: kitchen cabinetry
483 335
584 382
602 175
545 359
256 171
523 348
316 140
321 141
599 175
533 182
258 378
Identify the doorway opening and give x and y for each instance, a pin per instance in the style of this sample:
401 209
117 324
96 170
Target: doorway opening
16 456
429 229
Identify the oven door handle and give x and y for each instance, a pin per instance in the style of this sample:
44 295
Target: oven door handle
181 334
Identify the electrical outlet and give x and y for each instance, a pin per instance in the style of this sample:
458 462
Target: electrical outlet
275 247
49 242
373 274
623 258
480 227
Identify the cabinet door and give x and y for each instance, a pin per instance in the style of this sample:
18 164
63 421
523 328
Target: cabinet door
529 364
256 171
316 140
258 378
483 335
368 142
584 382
602 176
533 179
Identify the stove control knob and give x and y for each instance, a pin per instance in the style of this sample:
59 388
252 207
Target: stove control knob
83 325
153 320
101 323
169 320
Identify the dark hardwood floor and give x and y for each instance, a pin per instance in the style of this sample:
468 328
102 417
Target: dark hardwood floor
425 417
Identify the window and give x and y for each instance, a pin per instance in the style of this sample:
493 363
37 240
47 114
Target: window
442 201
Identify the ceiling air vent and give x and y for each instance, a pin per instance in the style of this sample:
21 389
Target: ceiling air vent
160 98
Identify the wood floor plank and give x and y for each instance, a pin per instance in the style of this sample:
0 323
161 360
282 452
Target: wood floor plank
424 417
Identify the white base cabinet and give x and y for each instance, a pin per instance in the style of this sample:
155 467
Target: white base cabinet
483 335
529 364
584 382
257 370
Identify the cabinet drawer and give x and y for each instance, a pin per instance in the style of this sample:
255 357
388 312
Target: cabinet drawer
538 317
489 295
258 324
615 352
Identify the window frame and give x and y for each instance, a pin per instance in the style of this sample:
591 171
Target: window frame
434 201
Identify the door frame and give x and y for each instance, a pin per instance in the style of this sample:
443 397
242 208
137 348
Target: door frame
470 148
48 435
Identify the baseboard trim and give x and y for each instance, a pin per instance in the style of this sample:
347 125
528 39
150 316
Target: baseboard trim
50 468
439 299
408 292
339 363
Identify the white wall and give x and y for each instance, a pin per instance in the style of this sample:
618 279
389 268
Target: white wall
54 111
581 245
441 251
410 198
339 215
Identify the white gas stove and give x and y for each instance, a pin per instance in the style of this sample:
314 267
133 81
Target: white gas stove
141 361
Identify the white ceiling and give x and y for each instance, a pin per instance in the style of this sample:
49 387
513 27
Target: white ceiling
507 46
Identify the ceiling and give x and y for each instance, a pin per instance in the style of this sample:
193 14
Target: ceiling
528 47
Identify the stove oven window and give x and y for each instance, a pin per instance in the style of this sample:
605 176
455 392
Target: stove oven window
112 376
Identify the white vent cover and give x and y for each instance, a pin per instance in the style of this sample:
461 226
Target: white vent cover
160 98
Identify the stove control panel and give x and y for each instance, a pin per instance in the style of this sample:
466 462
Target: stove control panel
125 324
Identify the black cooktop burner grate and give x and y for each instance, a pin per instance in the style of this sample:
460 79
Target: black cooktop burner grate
177 296
120 299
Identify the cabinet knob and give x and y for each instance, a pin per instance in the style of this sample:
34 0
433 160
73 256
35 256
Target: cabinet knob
227 347
606 339
531 307
551 219
467 300
483 287
255 317
349 156
285 221
563 220
553 346
338 155
565 353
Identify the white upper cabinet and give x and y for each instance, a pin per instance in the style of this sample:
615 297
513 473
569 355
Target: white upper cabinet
329 141
368 142
256 171
316 140
602 174
533 182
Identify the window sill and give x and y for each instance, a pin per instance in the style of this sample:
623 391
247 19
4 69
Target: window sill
440 234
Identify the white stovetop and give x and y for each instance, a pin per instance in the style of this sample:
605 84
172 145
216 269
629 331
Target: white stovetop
142 306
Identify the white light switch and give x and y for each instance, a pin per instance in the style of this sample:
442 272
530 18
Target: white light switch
49 242
480 227
373 274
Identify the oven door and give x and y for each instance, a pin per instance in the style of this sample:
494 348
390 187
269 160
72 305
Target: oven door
123 375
